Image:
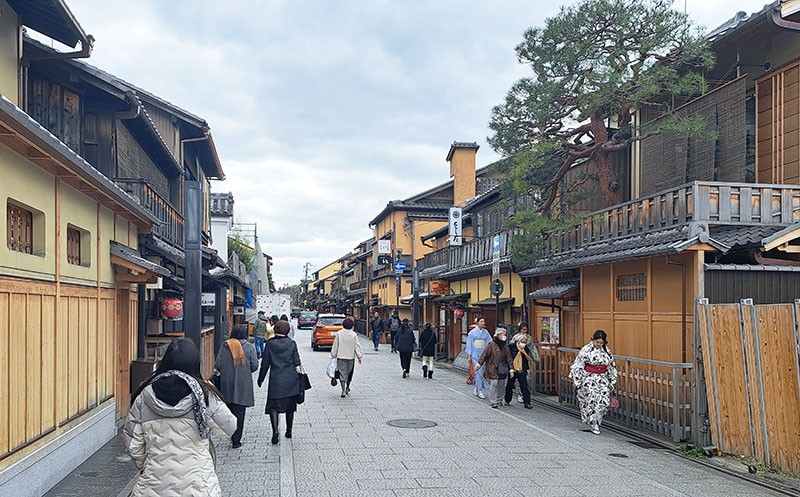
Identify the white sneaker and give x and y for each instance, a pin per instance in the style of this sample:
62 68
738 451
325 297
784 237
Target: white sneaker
595 429
475 391
480 394
519 399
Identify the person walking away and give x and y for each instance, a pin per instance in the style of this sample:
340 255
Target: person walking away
394 328
595 375
477 340
378 327
235 364
405 346
522 332
292 328
271 326
427 349
521 362
497 360
167 428
281 355
346 349
260 332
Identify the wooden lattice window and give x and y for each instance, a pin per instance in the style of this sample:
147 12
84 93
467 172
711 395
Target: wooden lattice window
19 228
632 287
73 246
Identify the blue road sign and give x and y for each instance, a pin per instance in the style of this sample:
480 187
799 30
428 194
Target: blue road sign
496 244
400 266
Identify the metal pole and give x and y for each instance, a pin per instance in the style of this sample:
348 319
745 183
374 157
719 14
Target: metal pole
193 271
415 297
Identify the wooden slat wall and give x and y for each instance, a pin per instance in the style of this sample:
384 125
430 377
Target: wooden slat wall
778 126
751 360
59 363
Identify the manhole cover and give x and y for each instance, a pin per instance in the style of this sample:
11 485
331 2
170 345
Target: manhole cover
617 454
411 423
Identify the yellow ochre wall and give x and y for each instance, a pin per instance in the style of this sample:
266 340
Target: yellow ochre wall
650 329
479 288
9 52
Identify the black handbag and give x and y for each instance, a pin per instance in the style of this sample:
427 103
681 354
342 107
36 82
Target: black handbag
502 370
305 384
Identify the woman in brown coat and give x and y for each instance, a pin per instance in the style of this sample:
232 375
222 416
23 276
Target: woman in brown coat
497 359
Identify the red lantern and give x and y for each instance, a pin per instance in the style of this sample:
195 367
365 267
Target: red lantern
458 313
172 308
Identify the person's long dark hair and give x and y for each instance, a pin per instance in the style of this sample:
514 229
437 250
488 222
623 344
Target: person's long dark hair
600 334
182 355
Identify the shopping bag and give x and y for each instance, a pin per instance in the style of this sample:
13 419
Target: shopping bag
332 368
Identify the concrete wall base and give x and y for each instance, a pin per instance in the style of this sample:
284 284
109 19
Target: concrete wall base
40 471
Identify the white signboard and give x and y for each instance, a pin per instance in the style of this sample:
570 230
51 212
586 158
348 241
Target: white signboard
384 247
208 299
455 231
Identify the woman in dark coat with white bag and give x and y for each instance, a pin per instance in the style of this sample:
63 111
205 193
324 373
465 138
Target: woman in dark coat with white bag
235 364
281 355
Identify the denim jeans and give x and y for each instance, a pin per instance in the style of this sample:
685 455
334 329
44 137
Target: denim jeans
261 342
376 338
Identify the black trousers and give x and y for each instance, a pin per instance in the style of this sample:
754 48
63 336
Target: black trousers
238 411
522 378
392 340
405 360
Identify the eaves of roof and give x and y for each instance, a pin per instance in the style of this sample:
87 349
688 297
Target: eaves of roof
740 23
51 18
133 256
31 140
474 269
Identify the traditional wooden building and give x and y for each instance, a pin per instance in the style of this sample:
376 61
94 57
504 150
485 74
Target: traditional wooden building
70 272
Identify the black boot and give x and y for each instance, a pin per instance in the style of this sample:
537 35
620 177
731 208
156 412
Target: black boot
273 419
430 374
289 423
425 371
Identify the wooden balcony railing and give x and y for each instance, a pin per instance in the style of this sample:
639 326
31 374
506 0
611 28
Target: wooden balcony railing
711 202
436 258
358 285
478 251
171 223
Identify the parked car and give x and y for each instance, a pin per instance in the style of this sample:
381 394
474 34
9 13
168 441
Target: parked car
307 319
328 325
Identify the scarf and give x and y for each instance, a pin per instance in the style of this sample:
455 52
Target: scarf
236 351
518 359
199 405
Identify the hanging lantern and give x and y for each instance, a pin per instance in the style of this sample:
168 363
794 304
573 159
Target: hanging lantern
172 308
458 313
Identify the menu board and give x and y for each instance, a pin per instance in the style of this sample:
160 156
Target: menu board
549 329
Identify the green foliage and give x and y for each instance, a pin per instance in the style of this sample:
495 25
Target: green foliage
594 63
693 451
247 254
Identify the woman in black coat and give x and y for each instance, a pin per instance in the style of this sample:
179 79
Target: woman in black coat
280 354
427 349
236 362
405 346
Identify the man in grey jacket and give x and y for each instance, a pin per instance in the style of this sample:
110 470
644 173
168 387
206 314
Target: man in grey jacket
260 332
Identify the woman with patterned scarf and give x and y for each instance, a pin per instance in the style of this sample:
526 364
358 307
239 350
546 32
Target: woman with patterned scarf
168 426
236 361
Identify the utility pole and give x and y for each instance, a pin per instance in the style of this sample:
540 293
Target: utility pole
306 267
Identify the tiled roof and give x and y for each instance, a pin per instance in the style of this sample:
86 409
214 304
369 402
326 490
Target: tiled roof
558 289
433 271
505 263
133 256
740 237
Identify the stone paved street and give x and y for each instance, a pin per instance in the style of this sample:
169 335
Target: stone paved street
345 447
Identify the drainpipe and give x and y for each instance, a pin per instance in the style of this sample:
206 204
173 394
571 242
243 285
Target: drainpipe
683 304
135 109
87 44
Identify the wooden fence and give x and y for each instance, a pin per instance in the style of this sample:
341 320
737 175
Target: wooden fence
653 395
751 356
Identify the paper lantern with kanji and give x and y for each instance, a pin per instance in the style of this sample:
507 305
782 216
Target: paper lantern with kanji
458 313
172 308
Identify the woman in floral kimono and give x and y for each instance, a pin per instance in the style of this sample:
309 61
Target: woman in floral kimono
594 374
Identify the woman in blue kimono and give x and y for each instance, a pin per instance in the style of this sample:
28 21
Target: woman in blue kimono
477 340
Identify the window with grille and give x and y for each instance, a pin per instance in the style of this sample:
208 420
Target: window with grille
73 246
632 287
19 228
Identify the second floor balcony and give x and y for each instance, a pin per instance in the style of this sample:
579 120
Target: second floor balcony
170 227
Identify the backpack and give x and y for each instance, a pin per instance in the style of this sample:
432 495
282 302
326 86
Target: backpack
394 324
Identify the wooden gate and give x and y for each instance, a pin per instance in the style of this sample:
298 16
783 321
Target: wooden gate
751 355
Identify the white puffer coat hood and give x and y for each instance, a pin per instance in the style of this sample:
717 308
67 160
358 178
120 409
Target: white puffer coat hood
165 443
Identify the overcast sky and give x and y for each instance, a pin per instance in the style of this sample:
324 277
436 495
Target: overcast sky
323 111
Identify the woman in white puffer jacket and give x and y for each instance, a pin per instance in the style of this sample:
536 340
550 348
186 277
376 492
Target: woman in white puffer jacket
167 428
